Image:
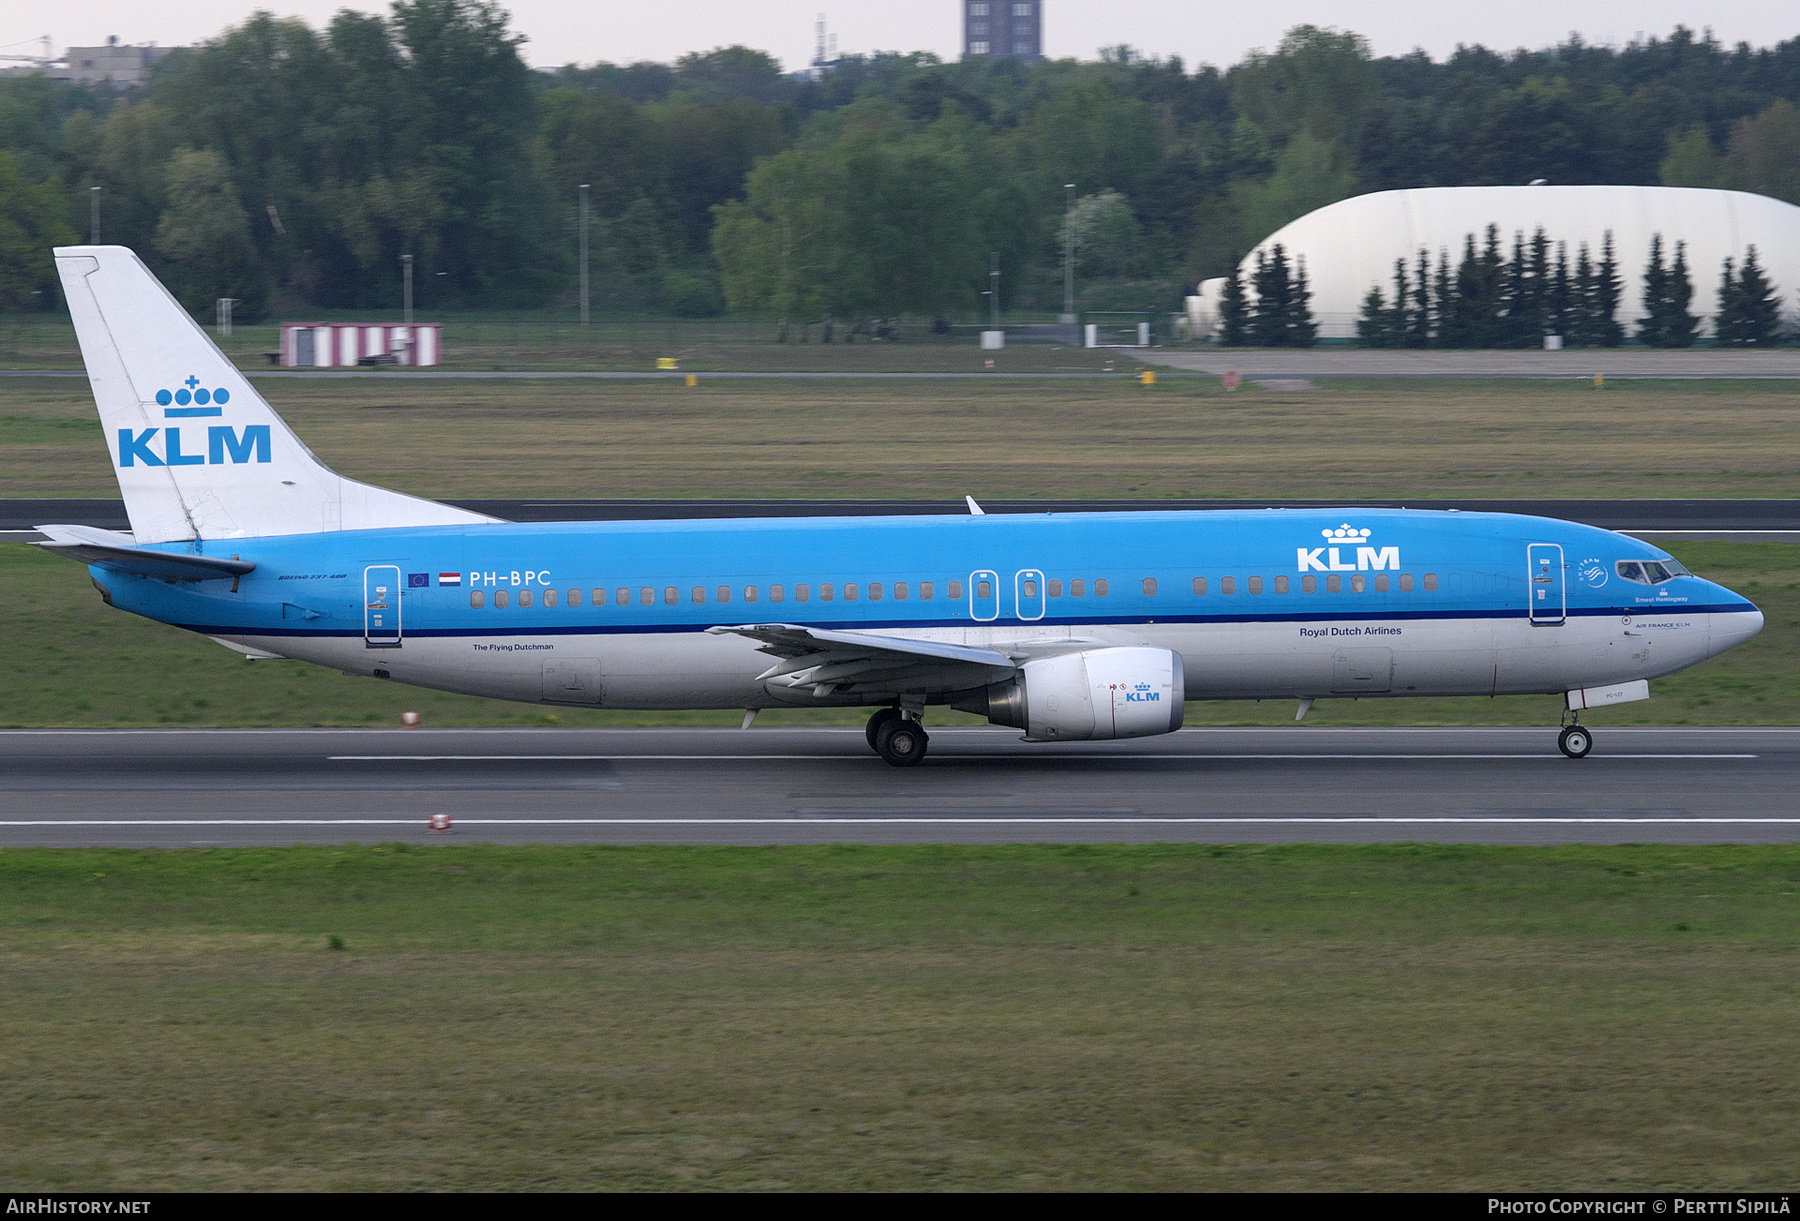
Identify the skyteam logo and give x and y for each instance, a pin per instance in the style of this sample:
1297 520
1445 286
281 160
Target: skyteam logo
224 444
1340 542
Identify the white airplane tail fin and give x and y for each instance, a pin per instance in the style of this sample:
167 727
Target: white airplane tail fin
198 453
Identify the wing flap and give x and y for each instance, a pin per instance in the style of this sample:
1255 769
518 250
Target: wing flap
835 661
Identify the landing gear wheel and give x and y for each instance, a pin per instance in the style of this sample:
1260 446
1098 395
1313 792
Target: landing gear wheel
881 718
1575 742
902 743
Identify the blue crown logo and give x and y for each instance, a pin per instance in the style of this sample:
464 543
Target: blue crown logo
193 392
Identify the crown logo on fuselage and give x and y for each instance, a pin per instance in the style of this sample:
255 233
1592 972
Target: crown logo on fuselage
1338 543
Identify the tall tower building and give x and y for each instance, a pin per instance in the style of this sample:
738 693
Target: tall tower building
1004 27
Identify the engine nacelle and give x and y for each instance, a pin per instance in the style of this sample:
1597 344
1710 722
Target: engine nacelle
1125 692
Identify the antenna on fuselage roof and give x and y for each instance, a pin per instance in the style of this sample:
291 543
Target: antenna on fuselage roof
975 510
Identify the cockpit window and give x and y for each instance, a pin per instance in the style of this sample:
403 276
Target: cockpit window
1651 572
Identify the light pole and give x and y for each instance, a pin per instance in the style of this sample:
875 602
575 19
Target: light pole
1068 316
406 290
994 288
584 254
93 216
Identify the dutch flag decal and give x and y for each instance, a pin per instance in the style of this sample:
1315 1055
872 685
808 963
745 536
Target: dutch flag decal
449 578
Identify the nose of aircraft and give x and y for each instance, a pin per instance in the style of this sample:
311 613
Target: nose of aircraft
1731 628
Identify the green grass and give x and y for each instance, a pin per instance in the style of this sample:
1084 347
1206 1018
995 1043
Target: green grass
1166 1017
1092 438
73 661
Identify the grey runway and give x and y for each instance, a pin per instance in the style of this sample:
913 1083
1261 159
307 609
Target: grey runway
179 788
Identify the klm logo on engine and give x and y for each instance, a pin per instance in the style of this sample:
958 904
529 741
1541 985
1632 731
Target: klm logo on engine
224 444
1142 694
1346 540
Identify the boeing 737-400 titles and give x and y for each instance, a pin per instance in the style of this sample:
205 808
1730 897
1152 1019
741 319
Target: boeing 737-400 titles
1068 626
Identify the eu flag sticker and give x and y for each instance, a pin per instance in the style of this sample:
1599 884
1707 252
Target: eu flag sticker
418 580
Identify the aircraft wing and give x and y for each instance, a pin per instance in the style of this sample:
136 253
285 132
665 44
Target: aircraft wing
868 662
91 545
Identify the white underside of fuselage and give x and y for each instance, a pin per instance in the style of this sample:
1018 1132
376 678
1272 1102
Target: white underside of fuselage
1228 660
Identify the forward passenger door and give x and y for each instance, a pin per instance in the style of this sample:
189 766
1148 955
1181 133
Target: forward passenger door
1544 585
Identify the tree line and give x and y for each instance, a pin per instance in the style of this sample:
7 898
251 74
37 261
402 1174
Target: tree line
1491 300
286 164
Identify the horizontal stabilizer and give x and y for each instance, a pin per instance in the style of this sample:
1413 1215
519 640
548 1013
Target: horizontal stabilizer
120 551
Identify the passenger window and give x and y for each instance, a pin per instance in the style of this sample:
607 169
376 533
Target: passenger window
874 591
776 593
647 596
927 590
900 591
549 597
500 598
1228 585
1406 582
698 594
1255 585
671 595
574 597
1055 587
1078 588
1430 581
1309 585
956 591
1031 589
524 597
749 593
802 593
1281 585
599 598
1381 582
1199 587
850 591
984 589
1358 584
827 592
1099 587
1334 584
1149 587
477 599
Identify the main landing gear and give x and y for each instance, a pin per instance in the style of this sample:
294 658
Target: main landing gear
1575 742
897 738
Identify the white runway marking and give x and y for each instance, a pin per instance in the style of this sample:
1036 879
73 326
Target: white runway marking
1019 755
1074 820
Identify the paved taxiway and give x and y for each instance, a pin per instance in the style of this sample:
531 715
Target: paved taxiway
174 788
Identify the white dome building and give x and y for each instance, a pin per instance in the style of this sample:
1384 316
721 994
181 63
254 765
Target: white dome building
1351 245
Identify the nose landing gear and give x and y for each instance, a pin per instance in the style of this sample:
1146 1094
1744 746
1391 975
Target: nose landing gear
1575 742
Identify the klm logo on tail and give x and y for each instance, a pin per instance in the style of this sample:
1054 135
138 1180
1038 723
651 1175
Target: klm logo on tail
223 443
